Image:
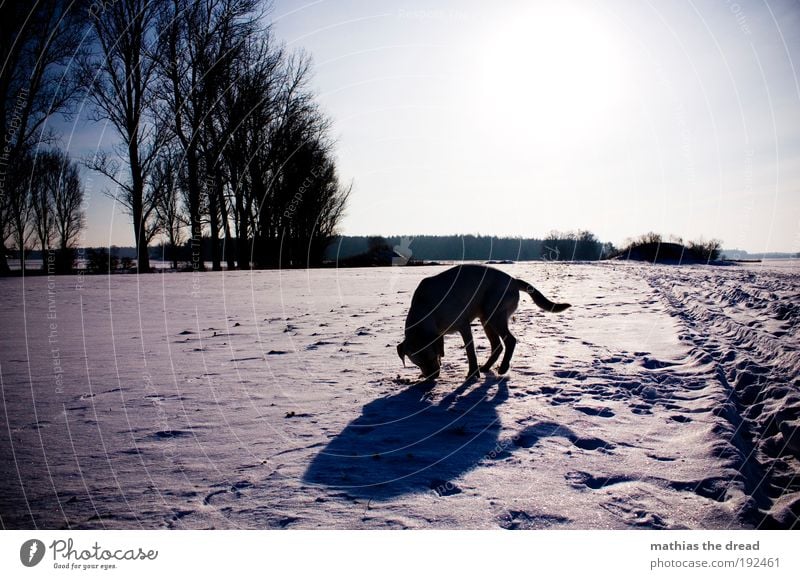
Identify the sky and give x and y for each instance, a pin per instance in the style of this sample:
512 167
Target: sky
517 118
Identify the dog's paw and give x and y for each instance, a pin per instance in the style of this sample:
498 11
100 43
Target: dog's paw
502 369
424 385
473 374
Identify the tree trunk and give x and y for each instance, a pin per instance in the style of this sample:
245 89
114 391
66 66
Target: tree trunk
64 259
242 256
174 250
137 209
4 269
195 224
213 217
261 237
226 226
142 254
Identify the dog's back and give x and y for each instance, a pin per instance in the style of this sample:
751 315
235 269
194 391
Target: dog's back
461 294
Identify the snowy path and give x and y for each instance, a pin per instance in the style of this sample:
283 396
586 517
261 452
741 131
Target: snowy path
664 398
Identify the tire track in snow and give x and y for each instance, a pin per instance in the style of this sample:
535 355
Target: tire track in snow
744 326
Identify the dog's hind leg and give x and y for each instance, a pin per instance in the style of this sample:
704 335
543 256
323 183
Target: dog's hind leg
500 324
496 344
469 345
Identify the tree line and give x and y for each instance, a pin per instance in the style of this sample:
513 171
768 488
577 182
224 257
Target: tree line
219 137
556 246
577 245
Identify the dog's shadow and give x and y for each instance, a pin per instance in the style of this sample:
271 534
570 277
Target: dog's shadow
406 443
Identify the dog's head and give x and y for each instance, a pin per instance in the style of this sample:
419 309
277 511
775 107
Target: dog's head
427 357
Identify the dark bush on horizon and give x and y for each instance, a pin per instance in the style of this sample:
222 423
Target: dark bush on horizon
574 246
652 247
100 261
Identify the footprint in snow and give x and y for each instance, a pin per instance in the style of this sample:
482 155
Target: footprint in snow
636 516
520 520
594 411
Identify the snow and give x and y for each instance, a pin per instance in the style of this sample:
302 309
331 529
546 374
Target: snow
666 397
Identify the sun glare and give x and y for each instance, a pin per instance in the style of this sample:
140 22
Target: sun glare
556 68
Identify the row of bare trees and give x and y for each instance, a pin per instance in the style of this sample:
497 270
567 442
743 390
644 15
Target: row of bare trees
49 209
42 207
40 189
220 134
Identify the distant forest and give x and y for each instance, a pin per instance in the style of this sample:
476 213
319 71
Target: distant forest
375 250
581 246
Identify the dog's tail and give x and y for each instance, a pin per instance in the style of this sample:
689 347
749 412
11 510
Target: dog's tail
539 299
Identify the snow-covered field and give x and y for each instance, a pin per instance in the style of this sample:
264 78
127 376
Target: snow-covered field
666 397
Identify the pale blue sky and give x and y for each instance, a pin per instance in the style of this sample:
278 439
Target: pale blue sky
516 118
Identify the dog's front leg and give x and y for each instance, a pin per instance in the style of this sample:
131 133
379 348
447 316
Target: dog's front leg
466 333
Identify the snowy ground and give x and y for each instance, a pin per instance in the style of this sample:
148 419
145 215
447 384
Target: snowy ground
666 397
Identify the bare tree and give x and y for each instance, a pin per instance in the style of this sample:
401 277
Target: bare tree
38 40
56 213
172 220
121 80
304 201
66 194
201 39
44 180
236 22
18 206
286 196
247 117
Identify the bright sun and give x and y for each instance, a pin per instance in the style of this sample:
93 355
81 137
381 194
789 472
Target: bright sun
556 67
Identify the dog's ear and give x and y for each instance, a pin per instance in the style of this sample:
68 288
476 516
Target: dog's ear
401 351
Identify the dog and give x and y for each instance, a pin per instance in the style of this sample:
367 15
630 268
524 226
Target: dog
448 302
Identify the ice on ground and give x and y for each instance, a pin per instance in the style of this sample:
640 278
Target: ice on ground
666 397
